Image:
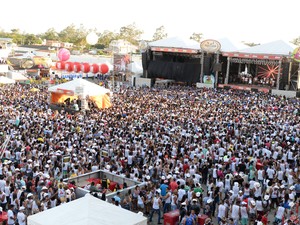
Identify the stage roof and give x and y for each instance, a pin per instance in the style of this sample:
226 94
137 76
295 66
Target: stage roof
273 50
227 45
175 44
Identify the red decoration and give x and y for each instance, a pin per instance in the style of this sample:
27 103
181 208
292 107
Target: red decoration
76 67
85 67
69 66
60 65
63 54
104 68
94 68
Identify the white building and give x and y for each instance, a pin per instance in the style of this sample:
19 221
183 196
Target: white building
122 47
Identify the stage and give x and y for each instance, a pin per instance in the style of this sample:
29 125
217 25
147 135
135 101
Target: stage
244 87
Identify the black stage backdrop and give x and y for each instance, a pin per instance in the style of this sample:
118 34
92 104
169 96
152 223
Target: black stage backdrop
185 72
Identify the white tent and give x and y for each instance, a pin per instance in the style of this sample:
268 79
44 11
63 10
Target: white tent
87 210
6 80
176 42
227 45
89 88
80 87
16 76
135 67
272 48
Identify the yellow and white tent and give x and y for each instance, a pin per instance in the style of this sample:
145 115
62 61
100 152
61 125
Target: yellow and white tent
80 87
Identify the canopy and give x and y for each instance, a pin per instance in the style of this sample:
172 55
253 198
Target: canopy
135 67
16 76
273 50
87 210
76 87
175 44
6 80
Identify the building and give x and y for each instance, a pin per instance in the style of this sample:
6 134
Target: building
57 44
122 47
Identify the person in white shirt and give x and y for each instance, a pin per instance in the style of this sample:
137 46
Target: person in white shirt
244 213
279 214
21 217
181 193
10 215
235 211
271 173
221 211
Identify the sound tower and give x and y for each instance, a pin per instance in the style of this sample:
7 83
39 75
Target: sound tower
207 65
144 60
284 76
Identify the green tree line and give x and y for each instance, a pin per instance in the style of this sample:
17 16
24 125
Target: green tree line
77 36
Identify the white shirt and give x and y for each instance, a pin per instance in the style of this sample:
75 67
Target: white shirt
9 215
260 175
181 193
21 217
244 213
155 203
221 211
280 212
270 173
235 211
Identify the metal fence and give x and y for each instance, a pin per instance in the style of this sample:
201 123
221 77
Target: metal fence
82 181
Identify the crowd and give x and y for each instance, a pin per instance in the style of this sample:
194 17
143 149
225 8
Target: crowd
227 154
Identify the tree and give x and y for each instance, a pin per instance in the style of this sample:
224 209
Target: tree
50 34
130 33
72 34
196 36
296 41
250 44
17 37
105 39
30 39
160 33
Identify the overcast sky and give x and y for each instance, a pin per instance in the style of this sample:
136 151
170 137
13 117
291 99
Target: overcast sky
257 21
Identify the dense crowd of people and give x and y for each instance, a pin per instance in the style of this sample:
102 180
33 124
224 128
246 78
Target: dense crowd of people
227 154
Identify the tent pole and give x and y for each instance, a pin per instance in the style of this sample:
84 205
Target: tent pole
202 66
289 74
278 75
227 70
217 71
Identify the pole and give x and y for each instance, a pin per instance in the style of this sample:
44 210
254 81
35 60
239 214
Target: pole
202 66
278 75
217 71
227 70
289 75
240 68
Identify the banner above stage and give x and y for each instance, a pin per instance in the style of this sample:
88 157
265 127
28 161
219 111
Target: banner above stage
251 56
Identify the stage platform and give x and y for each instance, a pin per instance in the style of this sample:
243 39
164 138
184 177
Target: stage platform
244 87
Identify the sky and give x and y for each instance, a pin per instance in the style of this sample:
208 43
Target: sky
257 21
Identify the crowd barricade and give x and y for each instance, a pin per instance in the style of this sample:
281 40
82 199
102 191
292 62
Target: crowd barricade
172 218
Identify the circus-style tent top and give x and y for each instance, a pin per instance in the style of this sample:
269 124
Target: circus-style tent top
87 210
272 50
175 44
